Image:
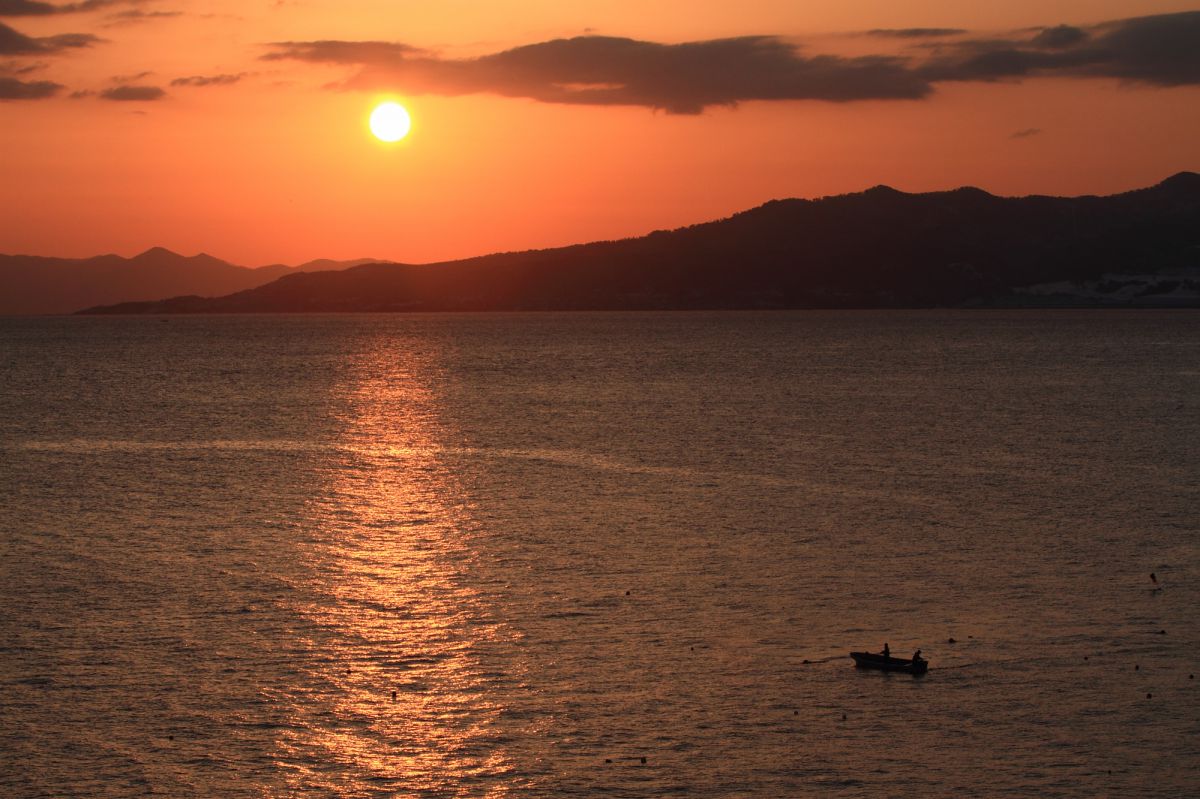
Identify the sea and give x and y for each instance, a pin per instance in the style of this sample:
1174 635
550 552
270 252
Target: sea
600 554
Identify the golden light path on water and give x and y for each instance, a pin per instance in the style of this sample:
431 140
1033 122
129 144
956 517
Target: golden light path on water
398 632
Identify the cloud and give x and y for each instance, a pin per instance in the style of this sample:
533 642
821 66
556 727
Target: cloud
1163 50
21 67
13 89
916 33
601 70
26 8
134 78
1059 36
133 93
36 8
337 52
134 16
209 80
688 78
13 42
1026 133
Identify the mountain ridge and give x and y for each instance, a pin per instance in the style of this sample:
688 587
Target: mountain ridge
35 284
878 248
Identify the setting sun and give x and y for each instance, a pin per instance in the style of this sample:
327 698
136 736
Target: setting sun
390 122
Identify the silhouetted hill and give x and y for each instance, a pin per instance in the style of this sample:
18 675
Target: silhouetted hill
324 264
877 248
36 285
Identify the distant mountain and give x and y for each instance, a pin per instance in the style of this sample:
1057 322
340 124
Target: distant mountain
36 285
880 248
325 265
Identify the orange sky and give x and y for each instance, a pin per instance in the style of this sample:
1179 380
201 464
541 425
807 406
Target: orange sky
274 163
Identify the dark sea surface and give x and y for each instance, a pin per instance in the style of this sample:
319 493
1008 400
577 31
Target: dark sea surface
513 555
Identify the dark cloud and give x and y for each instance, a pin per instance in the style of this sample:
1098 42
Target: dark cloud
600 70
133 93
1162 50
26 8
1059 36
1026 133
688 78
985 60
13 89
916 33
13 42
209 80
35 8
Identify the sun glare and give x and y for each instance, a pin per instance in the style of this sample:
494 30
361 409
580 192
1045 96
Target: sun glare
390 122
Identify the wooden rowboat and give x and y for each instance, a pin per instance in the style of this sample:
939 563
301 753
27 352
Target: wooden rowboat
871 660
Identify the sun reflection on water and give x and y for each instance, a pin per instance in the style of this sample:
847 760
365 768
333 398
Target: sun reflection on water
396 638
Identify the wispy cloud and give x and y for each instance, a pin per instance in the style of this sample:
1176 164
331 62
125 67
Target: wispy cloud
135 16
13 42
209 80
133 93
916 33
1026 133
18 67
134 78
343 52
15 89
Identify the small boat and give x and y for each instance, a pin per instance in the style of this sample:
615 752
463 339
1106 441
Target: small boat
871 660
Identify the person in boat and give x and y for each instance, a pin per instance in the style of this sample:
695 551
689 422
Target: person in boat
887 651
916 658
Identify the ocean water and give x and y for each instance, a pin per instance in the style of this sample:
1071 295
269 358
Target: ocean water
600 555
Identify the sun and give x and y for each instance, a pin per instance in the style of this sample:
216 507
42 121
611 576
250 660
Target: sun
390 122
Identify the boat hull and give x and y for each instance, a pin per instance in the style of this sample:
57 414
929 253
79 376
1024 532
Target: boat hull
870 660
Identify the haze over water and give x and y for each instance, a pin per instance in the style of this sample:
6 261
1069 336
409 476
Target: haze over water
568 539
